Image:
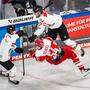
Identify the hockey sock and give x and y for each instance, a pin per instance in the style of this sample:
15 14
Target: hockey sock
7 65
79 65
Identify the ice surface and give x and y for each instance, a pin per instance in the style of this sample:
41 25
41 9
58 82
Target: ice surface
43 76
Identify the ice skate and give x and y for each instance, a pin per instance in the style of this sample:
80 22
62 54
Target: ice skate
85 72
4 73
13 76
11 80
82 52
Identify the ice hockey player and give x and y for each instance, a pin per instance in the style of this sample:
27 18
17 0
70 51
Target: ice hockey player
52 25
47 49
7 44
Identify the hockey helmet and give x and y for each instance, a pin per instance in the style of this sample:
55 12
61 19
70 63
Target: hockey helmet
38 11
10 28
39 42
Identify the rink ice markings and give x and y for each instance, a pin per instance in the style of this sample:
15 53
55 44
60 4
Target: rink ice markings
46 80
58 83
74 82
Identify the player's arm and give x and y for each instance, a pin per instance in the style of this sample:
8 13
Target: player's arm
37 33
40 30
40 58
12 41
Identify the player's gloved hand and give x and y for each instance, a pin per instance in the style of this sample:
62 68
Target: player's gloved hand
20 33
56 58
60 53
19 50
32 38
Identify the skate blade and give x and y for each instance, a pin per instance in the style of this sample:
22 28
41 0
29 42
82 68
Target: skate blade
87 74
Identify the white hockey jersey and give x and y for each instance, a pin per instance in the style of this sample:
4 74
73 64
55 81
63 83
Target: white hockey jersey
50 21
7 43
50 48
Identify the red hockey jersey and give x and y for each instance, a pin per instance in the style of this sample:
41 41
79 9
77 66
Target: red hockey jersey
50 49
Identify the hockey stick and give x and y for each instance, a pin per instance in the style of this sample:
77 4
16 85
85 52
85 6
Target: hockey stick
23 59
25 34
49 4
23 63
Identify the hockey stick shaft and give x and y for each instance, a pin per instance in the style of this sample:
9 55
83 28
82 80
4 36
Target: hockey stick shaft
49 4
23 63
23 59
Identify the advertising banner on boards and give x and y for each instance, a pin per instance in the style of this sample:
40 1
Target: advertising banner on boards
19 22
78 26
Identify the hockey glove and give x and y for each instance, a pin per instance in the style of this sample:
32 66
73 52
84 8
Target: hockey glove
19 50
32 38
56 58
20 33
59 55
61 52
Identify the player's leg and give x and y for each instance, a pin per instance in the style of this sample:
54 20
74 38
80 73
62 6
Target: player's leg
78 63
66 39
10 67
62 31
52 33
3 71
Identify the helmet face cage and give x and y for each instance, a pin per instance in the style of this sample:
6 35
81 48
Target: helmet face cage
38 11
38 43
10 29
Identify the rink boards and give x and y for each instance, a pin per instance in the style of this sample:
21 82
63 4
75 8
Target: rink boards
19 22
78 26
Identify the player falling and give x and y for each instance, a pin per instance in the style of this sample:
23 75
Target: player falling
47 49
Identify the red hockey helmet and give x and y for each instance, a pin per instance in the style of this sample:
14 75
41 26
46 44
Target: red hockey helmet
39 42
